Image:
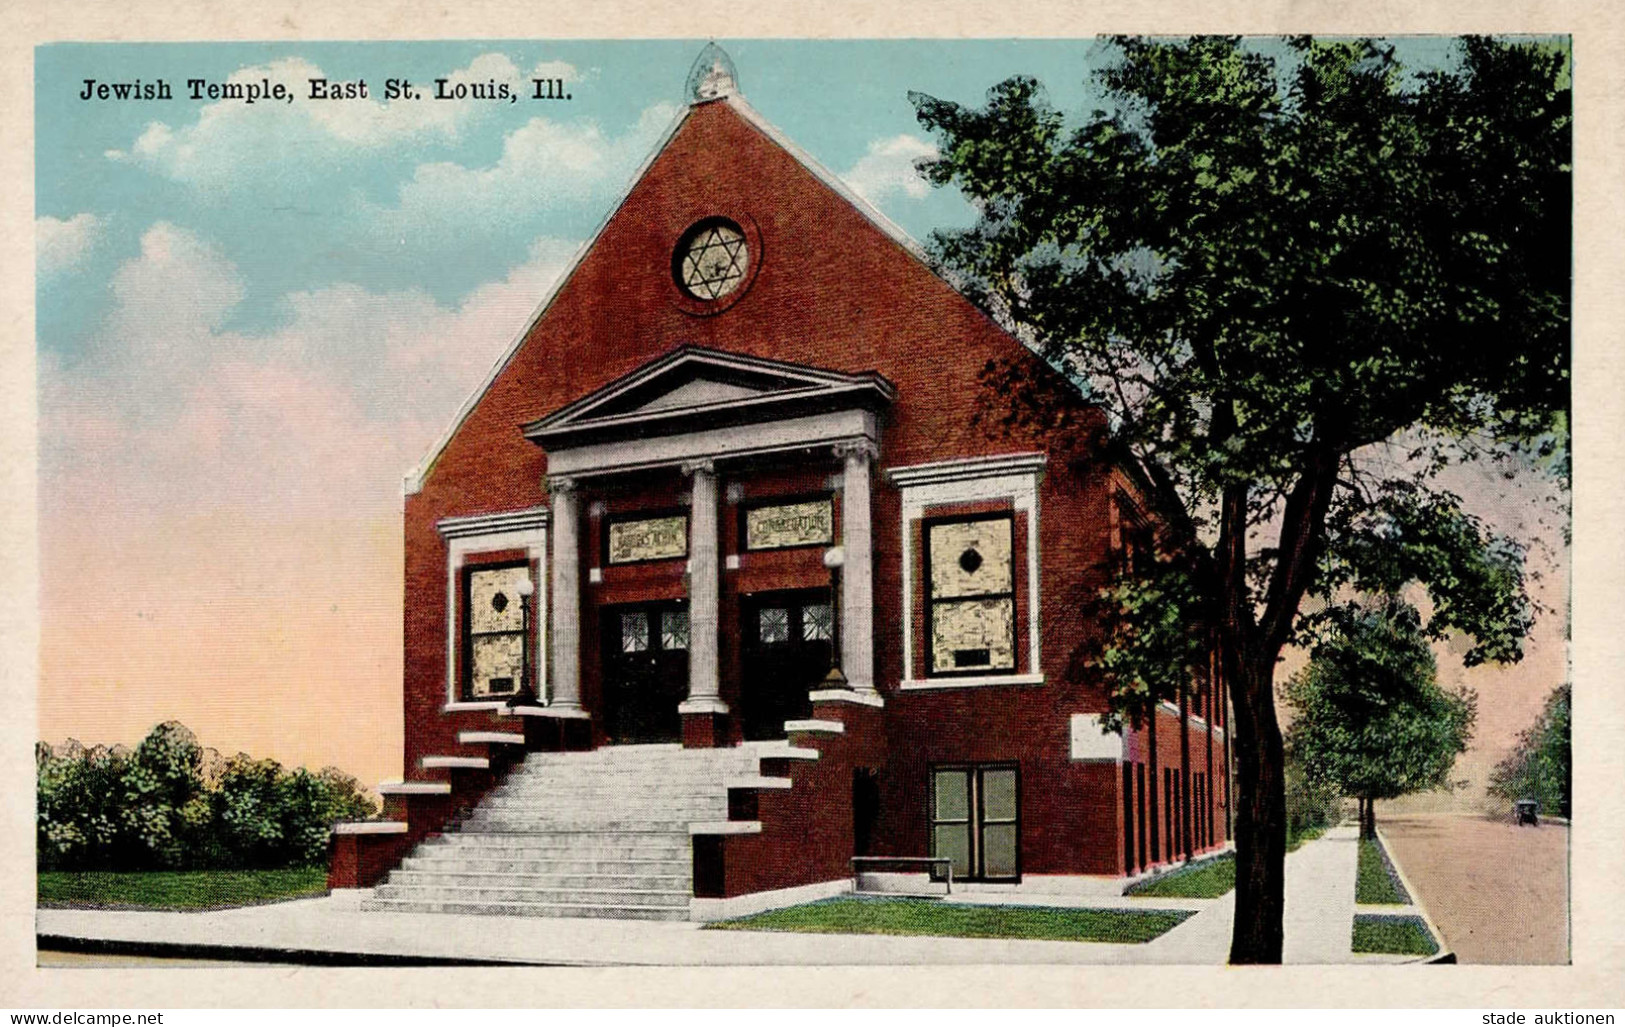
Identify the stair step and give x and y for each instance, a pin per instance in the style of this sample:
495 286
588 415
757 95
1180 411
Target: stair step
561 896
541 909
563 863
480 822
655 882
597 834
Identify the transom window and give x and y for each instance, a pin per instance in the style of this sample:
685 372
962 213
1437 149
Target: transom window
711 259
970 594
496 625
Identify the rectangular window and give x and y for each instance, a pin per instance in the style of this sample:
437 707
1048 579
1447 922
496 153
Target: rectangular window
975 821
1128 818
635 632
1168 813
673 629
495 629
646 538
781 525
1139 791
773 625
817 622
970 594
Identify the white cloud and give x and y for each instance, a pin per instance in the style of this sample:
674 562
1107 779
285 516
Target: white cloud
322 415
232 142
888 167
61 244
545 165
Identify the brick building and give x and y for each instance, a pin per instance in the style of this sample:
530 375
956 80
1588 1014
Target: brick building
734 570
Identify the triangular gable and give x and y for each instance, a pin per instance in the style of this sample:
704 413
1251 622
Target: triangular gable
413 482
671 393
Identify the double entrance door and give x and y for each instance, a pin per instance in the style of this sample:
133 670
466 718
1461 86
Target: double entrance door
787 639
645 671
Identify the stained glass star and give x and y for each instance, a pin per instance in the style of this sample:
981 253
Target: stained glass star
715 262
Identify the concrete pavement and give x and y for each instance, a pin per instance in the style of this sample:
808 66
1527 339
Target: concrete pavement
1318 923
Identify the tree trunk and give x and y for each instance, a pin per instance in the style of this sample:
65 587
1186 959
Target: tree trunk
1261 815
1368 817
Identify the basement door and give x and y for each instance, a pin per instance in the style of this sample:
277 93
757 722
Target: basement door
645 667
975 821
788 639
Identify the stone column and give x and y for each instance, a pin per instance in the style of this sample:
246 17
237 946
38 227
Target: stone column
857 571
704 704
565 521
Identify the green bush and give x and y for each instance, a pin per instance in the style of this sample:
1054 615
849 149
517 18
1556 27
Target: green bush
170 805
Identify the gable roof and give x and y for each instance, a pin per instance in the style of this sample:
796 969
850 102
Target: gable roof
413 481
693 386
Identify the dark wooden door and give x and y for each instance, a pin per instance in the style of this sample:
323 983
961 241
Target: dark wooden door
787 641
645 661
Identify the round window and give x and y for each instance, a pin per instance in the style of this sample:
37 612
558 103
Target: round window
711 260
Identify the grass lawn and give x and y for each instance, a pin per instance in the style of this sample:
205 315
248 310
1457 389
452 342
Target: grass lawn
954 920
1393 935
1211 878
1207 880
1296 841
190 889
1374 885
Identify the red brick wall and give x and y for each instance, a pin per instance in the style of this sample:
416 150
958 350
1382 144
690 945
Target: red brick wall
830 290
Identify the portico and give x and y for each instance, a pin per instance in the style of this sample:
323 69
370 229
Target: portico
647 467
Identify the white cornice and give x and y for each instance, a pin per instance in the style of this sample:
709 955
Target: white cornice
943 471
494 523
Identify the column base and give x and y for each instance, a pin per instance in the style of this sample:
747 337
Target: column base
706 730
558 734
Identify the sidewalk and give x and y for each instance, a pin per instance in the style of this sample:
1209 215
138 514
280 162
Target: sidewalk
1319 921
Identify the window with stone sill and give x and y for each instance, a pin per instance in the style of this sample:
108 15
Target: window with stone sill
970 595
496 630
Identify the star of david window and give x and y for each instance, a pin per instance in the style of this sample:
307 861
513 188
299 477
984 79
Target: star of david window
711 260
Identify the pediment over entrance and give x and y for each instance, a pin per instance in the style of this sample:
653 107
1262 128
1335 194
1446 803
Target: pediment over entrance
693 388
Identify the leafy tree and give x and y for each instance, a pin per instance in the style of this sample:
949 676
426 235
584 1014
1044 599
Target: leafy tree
1300 283
1540 765
169 803
1369 717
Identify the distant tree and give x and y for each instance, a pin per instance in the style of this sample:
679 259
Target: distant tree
1368 715
169 803
1299 284
1540 765
161 780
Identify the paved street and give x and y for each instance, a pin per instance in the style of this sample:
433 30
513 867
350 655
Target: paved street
1498 892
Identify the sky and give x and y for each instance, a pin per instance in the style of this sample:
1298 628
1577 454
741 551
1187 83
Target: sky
254 319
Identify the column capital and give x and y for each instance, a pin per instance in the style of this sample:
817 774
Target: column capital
857 449
693 467
561 485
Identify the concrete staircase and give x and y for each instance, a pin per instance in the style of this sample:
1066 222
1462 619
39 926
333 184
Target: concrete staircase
584 834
